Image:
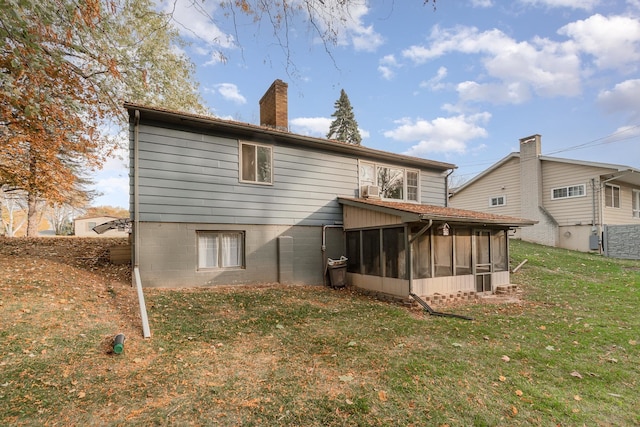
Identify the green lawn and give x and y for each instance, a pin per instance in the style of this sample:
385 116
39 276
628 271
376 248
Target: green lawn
566 354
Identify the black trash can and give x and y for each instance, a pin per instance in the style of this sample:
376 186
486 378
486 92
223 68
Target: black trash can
337 272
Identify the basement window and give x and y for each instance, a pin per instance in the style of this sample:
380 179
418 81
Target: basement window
220 249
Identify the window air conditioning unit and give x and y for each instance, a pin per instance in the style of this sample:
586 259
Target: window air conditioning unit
370 191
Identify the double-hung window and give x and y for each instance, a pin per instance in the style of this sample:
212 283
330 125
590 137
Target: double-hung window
611 196
394 183
636 204
256 163
220 249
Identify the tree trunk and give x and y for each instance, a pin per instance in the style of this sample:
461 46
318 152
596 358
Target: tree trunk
32 215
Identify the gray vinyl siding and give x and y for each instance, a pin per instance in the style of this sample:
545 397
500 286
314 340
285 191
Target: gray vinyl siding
189 177
193 177
432 188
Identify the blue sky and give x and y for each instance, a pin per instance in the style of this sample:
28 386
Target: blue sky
461 84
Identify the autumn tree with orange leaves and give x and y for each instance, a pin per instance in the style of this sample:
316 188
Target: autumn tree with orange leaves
66 66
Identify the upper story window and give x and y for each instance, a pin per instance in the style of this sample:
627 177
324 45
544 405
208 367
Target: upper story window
611 196
568 192
635 204
256 162
497 201
393 183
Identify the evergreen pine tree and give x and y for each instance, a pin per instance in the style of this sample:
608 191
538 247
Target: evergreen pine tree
344 127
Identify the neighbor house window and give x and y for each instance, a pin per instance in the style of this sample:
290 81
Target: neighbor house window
636 203
611 196
498 201
256 163
568 192
220 249
393 183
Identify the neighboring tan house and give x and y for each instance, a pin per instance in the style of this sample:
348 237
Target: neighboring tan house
219 202
575 202
83 227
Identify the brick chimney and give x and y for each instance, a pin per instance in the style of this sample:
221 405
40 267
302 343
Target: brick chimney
273 106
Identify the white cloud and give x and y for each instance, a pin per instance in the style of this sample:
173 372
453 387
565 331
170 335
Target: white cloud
345 22
496 93
311 126
571 4
230 92
435 83
386 66
441 135
613 41
541 66
623 98
482 3
193 19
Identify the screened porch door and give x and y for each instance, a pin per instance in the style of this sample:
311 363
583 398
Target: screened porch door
483 261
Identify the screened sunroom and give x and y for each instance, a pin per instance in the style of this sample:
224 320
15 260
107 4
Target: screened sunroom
403 248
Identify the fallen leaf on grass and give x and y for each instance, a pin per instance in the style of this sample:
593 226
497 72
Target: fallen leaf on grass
351 344
633 342
542 327
519 393
550 348
502 378
577 398
576 374
345 378
382 395
505 358
81 395
514 410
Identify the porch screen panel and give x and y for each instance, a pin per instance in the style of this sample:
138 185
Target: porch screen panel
371 252
463 251
443 255
353 251
499 247
421 254
393 248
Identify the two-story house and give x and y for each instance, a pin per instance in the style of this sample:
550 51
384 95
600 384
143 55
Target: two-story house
577 203
218 202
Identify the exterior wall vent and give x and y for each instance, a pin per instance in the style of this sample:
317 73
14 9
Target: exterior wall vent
370 191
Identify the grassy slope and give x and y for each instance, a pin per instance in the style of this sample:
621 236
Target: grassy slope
312 356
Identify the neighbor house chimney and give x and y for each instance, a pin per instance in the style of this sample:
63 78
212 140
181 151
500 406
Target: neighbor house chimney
530 176
273 106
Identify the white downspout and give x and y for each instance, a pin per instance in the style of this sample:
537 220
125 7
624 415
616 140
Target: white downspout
146 332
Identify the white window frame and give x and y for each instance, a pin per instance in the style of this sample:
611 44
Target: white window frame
569 189
373 179
224 253
635 204
497 199
242 160
615 191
